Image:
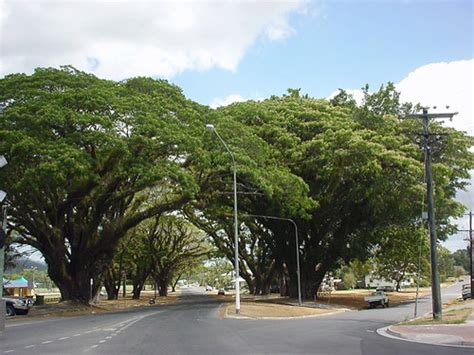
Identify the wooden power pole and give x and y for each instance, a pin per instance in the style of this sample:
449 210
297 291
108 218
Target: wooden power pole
435 284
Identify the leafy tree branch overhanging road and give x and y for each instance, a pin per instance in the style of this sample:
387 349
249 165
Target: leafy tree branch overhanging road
91 160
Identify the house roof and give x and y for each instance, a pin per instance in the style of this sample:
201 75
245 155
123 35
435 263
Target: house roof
20 282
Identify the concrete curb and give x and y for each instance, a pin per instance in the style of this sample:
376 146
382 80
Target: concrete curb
429 338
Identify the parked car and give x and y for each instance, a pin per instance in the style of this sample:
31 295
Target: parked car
17 305
466 291
221 292
377 298
208 288
275 289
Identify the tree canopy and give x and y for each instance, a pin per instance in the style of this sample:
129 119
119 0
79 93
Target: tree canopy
92 160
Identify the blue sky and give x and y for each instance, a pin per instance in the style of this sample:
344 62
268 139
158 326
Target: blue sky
224 51
346 45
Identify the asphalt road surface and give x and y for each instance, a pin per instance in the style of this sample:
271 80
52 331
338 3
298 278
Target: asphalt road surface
194 327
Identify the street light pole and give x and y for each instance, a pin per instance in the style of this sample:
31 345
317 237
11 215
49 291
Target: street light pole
236 226
297 248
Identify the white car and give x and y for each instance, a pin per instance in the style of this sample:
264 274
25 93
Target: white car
17 305
377 298
208 288
466 291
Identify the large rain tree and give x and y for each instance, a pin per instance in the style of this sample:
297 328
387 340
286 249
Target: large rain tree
261 176
83 153
363 168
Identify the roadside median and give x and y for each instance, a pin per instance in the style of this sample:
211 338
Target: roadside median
455 329
275 308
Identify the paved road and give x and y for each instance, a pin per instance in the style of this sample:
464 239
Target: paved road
194 327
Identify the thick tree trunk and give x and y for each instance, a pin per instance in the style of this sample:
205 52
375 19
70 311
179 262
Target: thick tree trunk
162 287
78 289
173 286
73 278
112 291
111 285
265 289
137 289
398 281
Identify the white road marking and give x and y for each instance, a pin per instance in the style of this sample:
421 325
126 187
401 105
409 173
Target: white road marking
370 331
8 351
109 337
63 338
76 335
102 341
47 342
29 346
94 346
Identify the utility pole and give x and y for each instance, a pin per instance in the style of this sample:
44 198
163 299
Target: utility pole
435 285
471 252
3 236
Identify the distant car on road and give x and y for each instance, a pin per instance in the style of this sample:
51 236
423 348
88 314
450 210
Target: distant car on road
221 292
17 305
466 291
208 288
377 298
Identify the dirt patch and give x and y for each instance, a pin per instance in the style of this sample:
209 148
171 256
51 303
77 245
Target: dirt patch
355 298
72 309
128 302
272 310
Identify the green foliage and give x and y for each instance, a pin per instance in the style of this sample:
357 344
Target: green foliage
361 268
361 175
82 152
461 258
217 272
459 271
400 251
445 264
92 160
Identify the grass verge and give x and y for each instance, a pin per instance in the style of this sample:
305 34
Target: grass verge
453 316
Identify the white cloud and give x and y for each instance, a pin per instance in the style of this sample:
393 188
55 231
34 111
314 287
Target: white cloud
438 84
124 38
229 99
446 84
443 84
